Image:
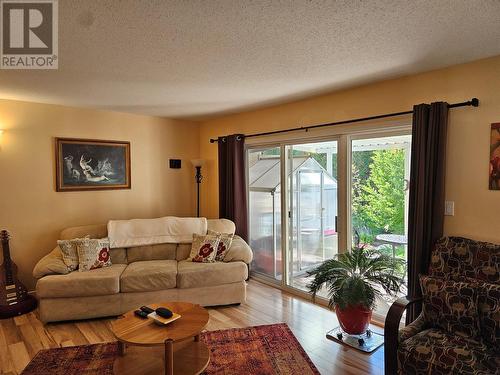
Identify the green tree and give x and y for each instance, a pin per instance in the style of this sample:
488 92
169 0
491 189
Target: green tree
364 230
382 196
321 159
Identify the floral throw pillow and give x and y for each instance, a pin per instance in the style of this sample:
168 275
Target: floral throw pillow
225 242
69 252
204 248
93 253
450 305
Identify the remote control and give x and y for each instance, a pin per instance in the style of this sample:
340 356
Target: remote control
141 314
147 310
164 312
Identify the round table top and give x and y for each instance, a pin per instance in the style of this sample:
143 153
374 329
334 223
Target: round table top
131 329
397 239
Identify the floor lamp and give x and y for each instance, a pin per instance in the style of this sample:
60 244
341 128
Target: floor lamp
198 163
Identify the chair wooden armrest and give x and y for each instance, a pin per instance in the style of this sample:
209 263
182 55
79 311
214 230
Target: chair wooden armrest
391 331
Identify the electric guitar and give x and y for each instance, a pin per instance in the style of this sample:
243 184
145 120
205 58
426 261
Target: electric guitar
14 297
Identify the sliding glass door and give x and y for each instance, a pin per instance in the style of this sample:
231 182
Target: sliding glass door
312 192
309 201
264 202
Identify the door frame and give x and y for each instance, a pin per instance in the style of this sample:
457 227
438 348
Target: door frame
343 136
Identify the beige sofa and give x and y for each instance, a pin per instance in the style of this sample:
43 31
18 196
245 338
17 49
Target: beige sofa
138 276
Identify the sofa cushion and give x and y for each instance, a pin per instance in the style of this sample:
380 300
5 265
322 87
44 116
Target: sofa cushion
149 275
193 275
183 251
450 305
434 351
118 255
164 251
98 282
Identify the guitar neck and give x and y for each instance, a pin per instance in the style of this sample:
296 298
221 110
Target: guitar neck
7 262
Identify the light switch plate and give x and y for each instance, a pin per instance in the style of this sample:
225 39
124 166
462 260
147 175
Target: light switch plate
449 208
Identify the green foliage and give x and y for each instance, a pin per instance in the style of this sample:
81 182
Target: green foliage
321 159
352 278
387 249
360 220
378 199
362 160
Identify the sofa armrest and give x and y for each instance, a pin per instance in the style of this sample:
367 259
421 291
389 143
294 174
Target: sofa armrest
50 264
411 329
239 251
391 332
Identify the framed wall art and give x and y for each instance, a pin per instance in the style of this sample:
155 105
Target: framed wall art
89 164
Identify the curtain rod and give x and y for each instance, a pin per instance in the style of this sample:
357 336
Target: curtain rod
474 102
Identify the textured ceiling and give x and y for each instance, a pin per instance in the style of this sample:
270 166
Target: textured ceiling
197 59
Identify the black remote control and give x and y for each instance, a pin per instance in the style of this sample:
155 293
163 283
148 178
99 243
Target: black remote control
141 314
164 312
147 310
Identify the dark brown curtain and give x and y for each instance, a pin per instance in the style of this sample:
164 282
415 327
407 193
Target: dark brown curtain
232 188
426 205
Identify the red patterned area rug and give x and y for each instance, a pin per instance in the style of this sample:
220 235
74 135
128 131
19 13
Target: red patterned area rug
262 350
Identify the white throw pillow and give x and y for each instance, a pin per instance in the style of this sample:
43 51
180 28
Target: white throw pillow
225 242
93 253
69 252
204 248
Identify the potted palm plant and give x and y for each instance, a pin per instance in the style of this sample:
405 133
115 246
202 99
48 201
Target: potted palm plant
353 280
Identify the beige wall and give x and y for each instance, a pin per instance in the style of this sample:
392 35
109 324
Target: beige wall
35 213
476 208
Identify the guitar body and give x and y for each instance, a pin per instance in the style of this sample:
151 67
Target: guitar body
25 306
14 297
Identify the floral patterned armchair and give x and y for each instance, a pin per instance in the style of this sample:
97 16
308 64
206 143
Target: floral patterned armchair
458 331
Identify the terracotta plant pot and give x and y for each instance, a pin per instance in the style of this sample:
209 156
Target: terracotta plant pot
354 320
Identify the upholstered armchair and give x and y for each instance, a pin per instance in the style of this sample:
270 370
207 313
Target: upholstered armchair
458 331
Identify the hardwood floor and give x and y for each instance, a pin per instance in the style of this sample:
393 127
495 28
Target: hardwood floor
22 337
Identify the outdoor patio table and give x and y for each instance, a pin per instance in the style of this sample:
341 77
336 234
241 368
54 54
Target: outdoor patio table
393 240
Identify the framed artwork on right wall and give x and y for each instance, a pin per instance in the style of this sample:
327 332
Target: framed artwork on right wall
495 157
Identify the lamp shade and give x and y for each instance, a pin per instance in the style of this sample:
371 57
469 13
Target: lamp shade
197 162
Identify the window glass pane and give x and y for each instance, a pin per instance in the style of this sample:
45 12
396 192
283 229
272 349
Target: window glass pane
380 173
312 175
265 211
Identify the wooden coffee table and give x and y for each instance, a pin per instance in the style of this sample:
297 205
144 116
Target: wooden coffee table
148 348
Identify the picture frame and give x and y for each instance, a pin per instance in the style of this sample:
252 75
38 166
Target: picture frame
494 171
92 164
